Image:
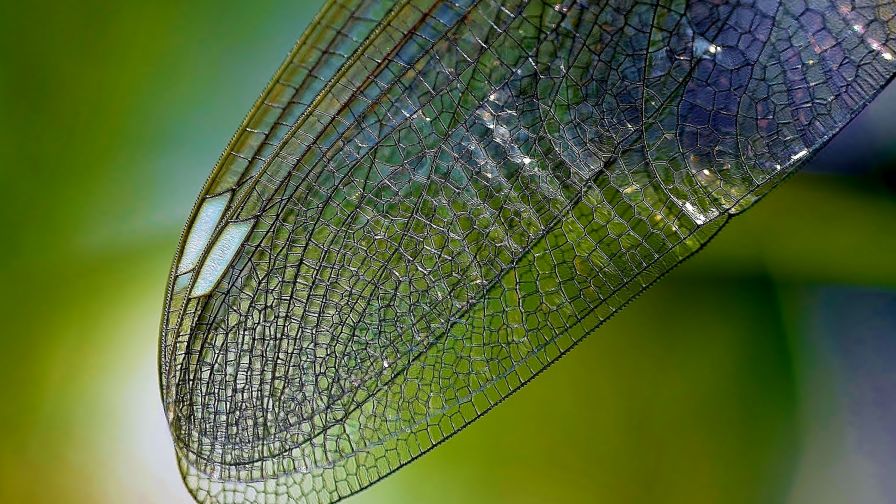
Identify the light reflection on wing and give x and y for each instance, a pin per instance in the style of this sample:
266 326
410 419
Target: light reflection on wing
433 200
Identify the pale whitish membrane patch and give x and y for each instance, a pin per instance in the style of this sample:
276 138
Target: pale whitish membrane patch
209 214
219 257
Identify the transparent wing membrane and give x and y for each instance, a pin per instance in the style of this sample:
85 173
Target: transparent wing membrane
434 200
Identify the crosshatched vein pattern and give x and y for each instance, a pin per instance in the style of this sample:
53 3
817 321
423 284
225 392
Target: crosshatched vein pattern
433 200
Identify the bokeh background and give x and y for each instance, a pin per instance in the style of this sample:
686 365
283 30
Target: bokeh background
761 371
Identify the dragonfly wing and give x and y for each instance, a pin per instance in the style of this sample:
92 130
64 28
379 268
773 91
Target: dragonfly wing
463 193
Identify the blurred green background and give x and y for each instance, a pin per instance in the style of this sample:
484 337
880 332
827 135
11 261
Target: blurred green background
758 372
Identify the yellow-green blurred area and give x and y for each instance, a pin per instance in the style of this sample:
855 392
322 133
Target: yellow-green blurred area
761 371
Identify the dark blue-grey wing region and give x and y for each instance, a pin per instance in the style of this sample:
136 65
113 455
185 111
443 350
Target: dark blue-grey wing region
451 194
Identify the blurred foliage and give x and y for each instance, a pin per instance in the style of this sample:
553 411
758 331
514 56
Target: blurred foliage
113 114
